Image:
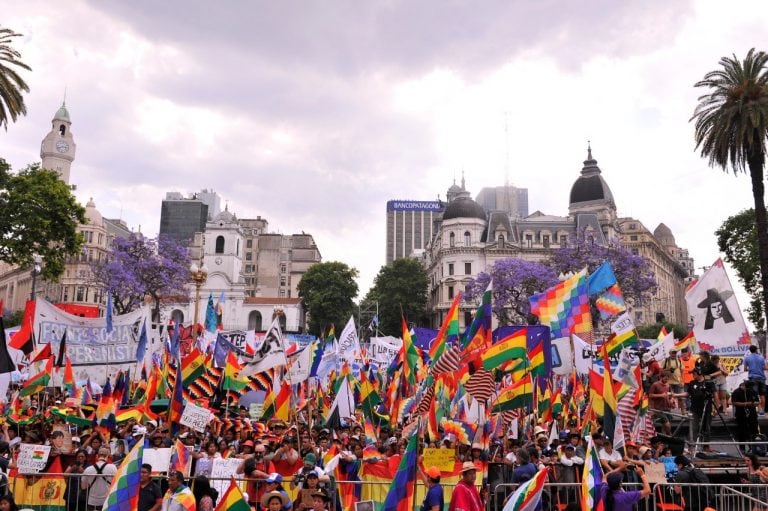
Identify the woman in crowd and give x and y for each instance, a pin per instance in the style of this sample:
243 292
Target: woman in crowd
205 496
8 504
205 459
756 475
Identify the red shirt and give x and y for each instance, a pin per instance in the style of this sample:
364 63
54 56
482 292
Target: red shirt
465 498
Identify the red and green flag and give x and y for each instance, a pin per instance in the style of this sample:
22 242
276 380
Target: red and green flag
511 347
449 328
38 382
517 395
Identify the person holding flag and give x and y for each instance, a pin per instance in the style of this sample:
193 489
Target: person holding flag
433 500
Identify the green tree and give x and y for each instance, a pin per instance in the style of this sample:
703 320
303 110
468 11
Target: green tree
651 330
737 239
731 129
11 84
328 290
38 215
400 289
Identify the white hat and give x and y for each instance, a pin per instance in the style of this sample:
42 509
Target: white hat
184 435
75 439
538 429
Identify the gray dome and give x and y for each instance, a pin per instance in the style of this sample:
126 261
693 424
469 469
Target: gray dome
590 186
62 113
664 235
225 217
463 206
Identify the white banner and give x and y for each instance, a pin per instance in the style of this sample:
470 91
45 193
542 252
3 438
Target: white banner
160 459
660 349
622 324
385 349
717 318
300 366
32 458
562 356
349 344
196 417
222 470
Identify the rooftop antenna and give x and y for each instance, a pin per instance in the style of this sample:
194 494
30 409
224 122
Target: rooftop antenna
506 166
64 101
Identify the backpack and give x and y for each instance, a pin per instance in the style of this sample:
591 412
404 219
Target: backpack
697 476
100 472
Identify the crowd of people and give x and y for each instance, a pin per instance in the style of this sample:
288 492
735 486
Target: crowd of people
284 464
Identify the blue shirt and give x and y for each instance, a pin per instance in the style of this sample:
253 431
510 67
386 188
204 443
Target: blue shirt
755 364
434 497
524 473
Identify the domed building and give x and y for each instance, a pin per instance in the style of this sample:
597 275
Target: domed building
469 240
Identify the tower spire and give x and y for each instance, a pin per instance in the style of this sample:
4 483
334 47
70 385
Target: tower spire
589 149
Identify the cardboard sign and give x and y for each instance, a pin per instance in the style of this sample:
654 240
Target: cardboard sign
221 471
160 459
32 458
196 417
444 459
656 473
255 410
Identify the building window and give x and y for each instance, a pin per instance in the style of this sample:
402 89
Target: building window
451 239
101 239
248 268
633 226
248 256
80 294
563 240
633 238
282 268
65 294
635 251
248 243
545 240
450 268
450 292
177 317
282 293
237 249
219 245
467 268
500 241
467 318
254 321
282 281
467 239
529 240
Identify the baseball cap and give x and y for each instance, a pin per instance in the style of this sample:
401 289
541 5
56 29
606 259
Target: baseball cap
433 472
274 477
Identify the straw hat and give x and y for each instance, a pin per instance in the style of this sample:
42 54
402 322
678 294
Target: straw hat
467 466
272 494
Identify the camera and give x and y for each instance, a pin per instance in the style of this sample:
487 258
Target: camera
631 466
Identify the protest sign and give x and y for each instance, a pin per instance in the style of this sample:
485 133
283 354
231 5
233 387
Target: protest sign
160 459
384 349
444 459
32 458
221 471
255 411
195 417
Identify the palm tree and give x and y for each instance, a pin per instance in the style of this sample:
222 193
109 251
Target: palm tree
11 84
731 130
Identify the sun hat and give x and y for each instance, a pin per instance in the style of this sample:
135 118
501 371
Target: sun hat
271 495
467 466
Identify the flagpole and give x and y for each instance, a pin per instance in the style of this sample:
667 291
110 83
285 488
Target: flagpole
416 462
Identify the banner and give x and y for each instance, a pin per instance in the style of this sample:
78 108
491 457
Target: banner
222 470
196 417
384 349
271 352
587 356
444 459
159 458
660 349
300 366
717 319
349 344
562 356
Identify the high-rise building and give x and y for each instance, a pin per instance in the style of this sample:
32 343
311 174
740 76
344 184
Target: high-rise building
410 226
181 217
508 198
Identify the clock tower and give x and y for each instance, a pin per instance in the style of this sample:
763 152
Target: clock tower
58 148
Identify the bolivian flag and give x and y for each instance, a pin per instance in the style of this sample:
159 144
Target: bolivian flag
509 348
517 395
233 499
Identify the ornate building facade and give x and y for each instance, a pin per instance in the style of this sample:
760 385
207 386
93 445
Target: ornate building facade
469 239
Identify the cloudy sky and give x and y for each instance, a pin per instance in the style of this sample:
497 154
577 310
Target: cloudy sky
313 114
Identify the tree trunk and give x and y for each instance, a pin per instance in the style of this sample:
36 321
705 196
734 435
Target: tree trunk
756 163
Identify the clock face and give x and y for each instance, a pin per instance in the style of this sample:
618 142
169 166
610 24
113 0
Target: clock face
62 146
218 260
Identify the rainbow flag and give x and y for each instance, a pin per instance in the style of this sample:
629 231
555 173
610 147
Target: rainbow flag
528 495
400 495
565 307
38 382
517 395
231 381
233 499
592 478
123 494
411 356
180 458
512 347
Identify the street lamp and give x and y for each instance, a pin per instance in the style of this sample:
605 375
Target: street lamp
36 269
198 275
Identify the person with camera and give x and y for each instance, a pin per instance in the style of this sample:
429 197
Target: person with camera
310 466
745 400
700 393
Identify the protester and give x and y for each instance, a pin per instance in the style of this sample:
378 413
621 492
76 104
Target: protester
613 495
8 504
758 476
745 401
674 369
695 490
178 497
150 496
465 496
97 478
433 499
205 495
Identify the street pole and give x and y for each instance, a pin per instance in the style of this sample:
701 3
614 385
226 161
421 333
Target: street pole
198 274
38 260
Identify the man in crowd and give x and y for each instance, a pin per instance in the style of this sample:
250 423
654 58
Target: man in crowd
465 496
178 497
754 365
745 401
97 478
150 496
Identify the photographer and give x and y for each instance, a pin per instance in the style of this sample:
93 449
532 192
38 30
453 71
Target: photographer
745 401
700 393
309 467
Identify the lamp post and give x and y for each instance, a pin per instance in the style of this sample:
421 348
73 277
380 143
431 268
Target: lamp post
198 275
36 269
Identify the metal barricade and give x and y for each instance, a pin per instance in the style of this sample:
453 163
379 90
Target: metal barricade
555 496
730 497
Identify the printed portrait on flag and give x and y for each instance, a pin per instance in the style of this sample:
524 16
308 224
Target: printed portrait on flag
717 320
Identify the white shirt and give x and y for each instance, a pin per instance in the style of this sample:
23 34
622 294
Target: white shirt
613 457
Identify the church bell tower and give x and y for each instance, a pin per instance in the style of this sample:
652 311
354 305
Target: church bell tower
58 148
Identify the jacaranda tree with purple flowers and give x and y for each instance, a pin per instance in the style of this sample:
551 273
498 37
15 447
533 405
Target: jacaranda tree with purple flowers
137 267
514 280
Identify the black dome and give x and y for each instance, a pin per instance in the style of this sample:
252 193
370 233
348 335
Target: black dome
463 207
590 185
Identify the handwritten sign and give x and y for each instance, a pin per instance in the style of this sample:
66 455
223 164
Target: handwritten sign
255 410
656 473
32 458
221 470
160 459
196 417
444 459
